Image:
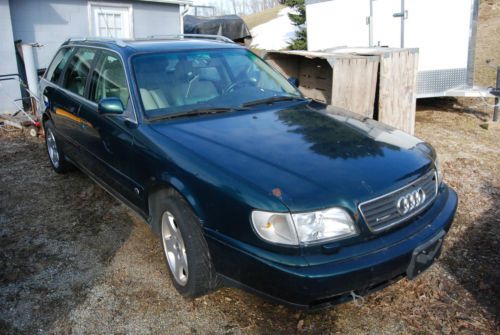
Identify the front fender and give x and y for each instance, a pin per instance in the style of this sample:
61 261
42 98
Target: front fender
167 182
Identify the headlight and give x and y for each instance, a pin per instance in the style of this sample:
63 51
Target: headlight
275 227
304 228
428 150
439 170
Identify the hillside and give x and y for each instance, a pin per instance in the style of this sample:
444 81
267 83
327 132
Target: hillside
256 19
272 29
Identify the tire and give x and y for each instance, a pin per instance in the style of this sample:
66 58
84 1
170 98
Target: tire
56 156
178 225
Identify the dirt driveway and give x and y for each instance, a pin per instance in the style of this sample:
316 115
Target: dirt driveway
73 260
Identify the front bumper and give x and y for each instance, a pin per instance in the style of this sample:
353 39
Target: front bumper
310 283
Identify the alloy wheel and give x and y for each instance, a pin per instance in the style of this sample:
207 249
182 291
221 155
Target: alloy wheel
174 247
52 148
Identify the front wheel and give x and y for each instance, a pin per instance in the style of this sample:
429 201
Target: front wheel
185 249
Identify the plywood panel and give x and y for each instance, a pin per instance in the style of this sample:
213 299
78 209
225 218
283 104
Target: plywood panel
397 90
354 84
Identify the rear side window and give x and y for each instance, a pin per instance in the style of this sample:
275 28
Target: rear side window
78 70
55 70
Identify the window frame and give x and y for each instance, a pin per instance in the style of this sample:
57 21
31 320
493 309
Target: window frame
91 18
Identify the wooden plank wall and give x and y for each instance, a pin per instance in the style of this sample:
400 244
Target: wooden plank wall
354 83
287 65
314 74
398 89
346 81
315 79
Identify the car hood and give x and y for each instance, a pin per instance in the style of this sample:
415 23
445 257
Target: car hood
308 158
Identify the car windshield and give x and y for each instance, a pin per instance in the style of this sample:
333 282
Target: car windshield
180 82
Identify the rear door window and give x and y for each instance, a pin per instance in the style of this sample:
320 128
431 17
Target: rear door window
75 77
57 66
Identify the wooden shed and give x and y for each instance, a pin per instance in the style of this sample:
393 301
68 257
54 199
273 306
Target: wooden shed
378 83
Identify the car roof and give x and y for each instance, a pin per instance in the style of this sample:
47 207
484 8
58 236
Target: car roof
154 44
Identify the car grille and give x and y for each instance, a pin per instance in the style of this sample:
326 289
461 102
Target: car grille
382 213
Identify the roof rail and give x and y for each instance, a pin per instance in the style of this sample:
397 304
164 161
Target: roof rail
118 41
181 36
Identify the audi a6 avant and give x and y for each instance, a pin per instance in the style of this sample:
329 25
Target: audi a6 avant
246 182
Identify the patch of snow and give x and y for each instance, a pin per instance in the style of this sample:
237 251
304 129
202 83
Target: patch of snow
275 34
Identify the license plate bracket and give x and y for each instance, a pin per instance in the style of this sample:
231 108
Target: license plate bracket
424 255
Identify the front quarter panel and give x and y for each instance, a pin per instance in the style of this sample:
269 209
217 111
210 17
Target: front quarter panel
222 201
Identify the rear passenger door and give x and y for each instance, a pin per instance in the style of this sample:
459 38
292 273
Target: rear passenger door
108 139
53 95
68 99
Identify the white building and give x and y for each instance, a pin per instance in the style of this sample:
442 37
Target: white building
50 22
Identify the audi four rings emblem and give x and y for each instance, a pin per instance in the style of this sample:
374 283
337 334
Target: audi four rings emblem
410 201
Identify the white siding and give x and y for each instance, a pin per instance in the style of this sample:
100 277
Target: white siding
156 19
337 23
51 22
8 64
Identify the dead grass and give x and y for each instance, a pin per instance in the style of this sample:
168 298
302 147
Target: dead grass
256 19
73 260
488 42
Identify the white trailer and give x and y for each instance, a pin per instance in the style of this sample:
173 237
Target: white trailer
444 31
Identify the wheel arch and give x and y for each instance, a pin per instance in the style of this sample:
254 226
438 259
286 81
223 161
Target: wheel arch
45 117
163 189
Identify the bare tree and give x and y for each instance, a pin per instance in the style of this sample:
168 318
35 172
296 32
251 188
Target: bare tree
241 7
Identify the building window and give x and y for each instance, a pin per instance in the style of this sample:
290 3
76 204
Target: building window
111 20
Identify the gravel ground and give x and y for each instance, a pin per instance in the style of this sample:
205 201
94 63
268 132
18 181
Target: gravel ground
74 260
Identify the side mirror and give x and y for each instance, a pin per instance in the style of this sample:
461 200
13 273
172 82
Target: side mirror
110 106
294 81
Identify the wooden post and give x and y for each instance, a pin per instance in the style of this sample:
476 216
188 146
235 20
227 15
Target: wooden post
497 100
398 89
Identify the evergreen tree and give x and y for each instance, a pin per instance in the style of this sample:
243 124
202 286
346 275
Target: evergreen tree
298 19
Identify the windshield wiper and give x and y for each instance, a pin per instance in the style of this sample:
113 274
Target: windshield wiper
197 111
271 100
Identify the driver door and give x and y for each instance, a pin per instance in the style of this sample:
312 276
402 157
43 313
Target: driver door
109 139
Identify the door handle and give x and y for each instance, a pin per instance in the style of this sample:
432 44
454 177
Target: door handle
403 14
106 145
